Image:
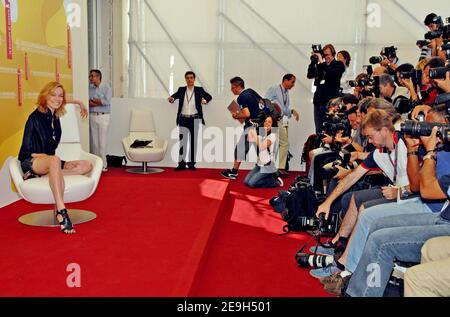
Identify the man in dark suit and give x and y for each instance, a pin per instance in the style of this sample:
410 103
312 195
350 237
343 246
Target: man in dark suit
189 115
327 73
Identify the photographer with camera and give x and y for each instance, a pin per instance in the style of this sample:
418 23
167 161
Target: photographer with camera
432 39
264 174
327 73
387 58
369 212
391 92
361 86
388 231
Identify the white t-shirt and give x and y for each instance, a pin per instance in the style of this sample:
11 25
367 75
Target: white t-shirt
267 155
380 159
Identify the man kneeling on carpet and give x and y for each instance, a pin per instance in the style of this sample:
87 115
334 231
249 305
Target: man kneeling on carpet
264 174
40 140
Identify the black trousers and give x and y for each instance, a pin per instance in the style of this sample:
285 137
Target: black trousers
319 117
188 131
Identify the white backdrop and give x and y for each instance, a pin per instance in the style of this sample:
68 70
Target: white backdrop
215 113
259 40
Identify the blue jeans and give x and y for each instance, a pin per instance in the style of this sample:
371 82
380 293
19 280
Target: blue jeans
369 216
261 177
390 239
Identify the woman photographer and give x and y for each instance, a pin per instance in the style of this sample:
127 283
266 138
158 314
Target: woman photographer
41 137
264 172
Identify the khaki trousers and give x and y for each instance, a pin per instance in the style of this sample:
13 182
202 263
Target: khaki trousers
432 277
283 145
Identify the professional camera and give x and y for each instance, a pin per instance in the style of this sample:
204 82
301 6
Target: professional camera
442 31
386 52
417 129
360 83
422 43
439 72
415 75
329 226
316 48
269 108
343 161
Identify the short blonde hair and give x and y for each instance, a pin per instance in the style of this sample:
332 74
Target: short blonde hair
377 120
43 95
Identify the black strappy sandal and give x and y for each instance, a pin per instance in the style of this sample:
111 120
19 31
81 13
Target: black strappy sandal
66 223
29 175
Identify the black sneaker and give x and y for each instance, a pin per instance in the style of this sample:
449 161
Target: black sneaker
192 167
229 174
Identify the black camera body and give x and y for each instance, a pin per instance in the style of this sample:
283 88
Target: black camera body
439 72
386 52
360 83
415 75
343 161
422 43
316 48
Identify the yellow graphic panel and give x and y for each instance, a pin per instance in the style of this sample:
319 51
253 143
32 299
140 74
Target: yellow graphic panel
34 49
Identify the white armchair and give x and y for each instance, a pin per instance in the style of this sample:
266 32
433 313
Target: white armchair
77 187
142 127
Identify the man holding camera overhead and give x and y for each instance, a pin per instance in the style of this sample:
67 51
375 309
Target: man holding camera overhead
327 73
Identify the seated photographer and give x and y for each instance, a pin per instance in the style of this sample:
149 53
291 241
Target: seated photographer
390 91
264 172
366 218
400 238
432 277
332 137
429 89
361 86
389 157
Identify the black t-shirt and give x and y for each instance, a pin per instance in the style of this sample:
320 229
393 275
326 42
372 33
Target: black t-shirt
250 99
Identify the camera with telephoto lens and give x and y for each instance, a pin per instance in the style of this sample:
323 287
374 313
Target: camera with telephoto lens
386 52
439 72
418 129
316 48
330 226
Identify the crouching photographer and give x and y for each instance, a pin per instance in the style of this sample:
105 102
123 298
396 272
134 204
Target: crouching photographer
264 172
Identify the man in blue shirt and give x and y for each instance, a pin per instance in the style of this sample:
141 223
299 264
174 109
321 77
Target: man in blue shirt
99 109
280 95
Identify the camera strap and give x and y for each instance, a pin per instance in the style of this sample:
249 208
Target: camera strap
394 163
285 95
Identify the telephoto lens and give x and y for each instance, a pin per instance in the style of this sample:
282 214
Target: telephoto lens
376 59
417 129
313 260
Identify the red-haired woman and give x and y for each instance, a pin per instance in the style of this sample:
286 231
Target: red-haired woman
40 140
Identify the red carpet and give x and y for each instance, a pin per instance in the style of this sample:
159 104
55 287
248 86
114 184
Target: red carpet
169 234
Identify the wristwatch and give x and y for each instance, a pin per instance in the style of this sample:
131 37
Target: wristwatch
430 156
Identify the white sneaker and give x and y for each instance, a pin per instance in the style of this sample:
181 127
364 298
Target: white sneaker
280 181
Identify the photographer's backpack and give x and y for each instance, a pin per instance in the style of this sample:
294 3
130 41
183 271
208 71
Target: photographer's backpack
301 205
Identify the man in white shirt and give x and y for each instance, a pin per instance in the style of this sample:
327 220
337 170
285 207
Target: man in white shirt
99 110
189 115
280 95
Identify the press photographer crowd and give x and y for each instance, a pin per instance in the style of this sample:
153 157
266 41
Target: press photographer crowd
375 198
